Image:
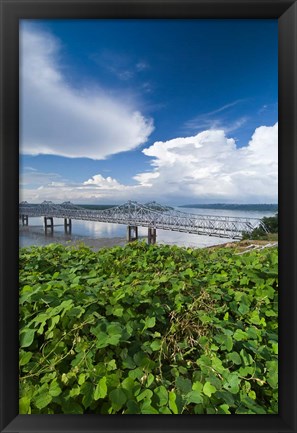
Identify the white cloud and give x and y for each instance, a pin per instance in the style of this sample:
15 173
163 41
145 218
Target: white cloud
206 167
37 186
59 119
101 182
147 179
209 166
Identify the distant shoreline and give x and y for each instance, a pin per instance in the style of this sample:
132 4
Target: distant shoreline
244 207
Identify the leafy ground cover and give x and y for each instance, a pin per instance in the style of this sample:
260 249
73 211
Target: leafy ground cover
148 329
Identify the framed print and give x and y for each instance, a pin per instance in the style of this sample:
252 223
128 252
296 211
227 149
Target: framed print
148 214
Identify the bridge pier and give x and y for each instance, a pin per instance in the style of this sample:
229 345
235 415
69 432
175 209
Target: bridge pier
48 225
67 225
25 220
152 235
132 233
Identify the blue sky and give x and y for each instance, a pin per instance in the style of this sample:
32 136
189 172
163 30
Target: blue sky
177 111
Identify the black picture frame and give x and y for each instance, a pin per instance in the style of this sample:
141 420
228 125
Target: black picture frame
286 13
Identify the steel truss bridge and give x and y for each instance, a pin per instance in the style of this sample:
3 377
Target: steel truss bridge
151 215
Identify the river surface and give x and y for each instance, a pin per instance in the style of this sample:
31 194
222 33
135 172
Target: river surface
98 235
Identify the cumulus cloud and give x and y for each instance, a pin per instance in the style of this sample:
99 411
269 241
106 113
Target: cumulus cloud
101 182
58 119
37 186
209 166
206 167
77 193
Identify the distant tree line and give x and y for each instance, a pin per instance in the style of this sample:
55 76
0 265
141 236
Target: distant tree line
234 206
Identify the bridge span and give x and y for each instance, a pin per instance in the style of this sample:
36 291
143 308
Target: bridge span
133 214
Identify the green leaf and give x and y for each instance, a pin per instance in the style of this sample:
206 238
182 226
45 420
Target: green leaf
272 377
54 389
234 357
150 322
232 383
53 321
118 398
137 373
162 394
156 345
247 358
143 361
244 281
81 378
239 335
194 397
228 343
252 395
189 272
275 348
184 385
103 339
225 408
149 380
25 358
217 365
26 337
243 308
165 411
72 407
101 389
114 310
252 405
149 410
87 391
172 402
226 396
43 399
132 407
146 394
111 365
208 389
74 391
271 313
24 405
205 318
128 384
252 333
197 386
114 329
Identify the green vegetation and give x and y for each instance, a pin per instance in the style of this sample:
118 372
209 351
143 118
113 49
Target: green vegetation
148 329
271 224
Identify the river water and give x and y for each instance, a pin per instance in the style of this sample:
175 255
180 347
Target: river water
98 235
